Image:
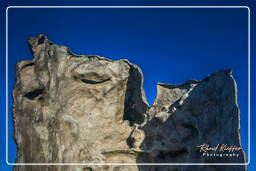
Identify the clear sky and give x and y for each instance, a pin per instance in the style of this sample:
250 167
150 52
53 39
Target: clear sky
169 45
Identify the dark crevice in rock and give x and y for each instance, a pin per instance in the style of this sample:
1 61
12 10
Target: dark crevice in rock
34 94
134 104
93 82
41 40
130 142
29 64
172 86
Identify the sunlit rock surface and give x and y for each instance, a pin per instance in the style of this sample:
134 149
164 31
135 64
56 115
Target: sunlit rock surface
71 108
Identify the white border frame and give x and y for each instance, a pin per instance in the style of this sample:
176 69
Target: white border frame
99 164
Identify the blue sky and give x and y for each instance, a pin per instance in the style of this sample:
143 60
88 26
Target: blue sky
169 45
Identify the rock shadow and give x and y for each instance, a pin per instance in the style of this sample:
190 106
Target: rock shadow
207 115
134 105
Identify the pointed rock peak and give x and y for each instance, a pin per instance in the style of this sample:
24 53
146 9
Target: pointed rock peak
221 73
40 39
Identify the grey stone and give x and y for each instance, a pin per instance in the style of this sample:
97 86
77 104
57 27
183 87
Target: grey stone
70 108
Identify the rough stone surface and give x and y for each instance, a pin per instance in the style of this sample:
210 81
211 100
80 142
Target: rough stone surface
71 108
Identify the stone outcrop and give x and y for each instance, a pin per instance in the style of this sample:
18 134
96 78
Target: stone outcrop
70 108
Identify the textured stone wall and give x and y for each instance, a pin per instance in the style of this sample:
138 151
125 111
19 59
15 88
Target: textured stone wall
71 108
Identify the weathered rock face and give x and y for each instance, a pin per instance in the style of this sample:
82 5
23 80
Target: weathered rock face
71 108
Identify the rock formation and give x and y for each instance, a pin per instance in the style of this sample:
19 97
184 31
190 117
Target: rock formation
71 108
